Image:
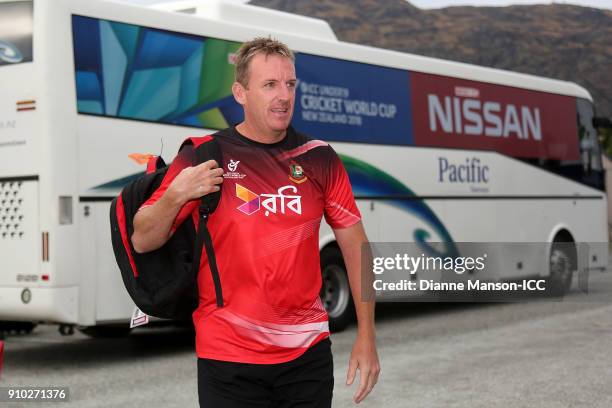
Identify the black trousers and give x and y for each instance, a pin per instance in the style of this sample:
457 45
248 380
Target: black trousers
306 382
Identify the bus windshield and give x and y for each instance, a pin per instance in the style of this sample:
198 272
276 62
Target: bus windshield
16 27
590 150
587 168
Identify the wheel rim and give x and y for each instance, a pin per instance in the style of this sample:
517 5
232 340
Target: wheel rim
335 290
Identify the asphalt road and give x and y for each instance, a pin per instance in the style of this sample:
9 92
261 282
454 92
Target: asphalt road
536 354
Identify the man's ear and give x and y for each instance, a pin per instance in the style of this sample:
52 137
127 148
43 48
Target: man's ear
239 93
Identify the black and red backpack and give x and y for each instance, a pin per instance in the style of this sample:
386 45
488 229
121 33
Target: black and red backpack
163 282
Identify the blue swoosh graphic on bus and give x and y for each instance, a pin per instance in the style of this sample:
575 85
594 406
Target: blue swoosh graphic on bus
369 181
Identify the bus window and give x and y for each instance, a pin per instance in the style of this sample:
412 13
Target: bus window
16 28
141 73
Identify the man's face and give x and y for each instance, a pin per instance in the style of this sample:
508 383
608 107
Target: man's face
269 97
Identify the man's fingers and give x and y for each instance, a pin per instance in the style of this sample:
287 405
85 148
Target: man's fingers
204 173
350 374
213 164
372 379
208 177
207 189
208 165
363 385
369 378
208 168
208 181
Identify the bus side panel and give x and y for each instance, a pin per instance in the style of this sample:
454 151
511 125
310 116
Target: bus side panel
496 221
470 196
27 283
103 298
112 300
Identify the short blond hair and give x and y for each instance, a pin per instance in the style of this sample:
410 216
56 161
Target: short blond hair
258 45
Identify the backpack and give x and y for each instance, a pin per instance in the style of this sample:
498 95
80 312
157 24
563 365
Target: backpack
163 282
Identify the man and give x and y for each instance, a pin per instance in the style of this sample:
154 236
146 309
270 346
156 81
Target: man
269 343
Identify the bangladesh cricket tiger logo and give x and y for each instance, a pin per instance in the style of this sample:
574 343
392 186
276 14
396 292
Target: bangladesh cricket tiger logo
296 174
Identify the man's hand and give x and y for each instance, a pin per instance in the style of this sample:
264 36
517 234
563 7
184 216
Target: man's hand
194 182
152 225
365 358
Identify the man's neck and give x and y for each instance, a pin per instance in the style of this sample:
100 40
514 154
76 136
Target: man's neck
251 132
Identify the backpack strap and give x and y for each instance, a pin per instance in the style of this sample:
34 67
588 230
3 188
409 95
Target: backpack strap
205 240
206 150
155 163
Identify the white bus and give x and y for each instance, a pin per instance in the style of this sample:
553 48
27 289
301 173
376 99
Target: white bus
435 150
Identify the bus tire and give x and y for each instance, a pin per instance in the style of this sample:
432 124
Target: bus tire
105 332
562 263
335 290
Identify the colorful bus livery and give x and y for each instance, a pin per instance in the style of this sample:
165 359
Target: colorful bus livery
437 151
134 72
141 73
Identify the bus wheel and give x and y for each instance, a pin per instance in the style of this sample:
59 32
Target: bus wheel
561 264
105 331
335 290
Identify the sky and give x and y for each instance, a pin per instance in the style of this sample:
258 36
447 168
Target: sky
428 4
